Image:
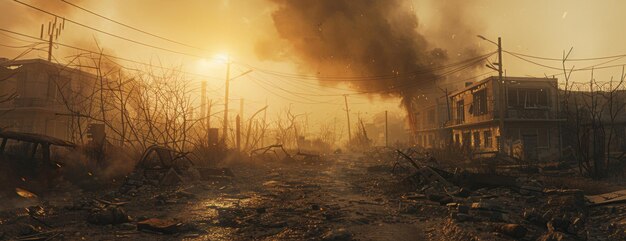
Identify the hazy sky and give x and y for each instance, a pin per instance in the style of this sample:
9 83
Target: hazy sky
239 27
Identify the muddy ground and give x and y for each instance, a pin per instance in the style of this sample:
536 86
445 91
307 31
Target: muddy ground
341 197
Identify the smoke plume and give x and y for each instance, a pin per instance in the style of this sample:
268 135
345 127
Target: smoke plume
349 38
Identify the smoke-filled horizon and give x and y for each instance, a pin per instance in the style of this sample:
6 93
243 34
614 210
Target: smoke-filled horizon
344 40
246 30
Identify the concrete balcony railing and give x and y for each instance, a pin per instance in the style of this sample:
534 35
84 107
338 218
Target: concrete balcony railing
35 102
538 113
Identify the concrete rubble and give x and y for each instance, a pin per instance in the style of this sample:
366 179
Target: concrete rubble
338 197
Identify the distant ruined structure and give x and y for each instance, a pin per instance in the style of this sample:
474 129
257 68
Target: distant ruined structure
472 119
42 91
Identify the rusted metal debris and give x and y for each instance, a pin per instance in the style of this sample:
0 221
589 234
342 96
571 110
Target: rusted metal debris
607 198
33 138
29 155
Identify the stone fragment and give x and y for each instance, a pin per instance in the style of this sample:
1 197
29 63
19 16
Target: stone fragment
513 230
159 225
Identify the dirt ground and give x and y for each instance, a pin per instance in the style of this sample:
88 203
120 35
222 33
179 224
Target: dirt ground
342 197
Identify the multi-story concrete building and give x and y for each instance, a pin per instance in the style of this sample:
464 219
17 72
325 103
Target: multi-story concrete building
430 124
42 92
518 117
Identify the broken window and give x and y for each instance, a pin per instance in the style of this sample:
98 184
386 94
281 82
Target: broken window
460 111
543 137
479 102
431 116
52 87
431 140
488 138
527 98
513 97
476 139
466 139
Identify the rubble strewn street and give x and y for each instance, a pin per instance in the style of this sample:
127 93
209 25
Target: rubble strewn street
330 120
339 197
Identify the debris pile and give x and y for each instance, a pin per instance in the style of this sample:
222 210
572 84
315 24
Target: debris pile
163 167
481 205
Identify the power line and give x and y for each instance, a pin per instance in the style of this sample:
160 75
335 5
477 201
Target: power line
110 34
130 27
560 60
595 66
111 56
362 78
374 77
391 89
287 98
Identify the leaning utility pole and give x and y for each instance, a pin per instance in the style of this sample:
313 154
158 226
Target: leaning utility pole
54 31
502 95
502 86
345 97
226 86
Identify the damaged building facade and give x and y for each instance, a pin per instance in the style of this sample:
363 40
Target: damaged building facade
521 121
42 95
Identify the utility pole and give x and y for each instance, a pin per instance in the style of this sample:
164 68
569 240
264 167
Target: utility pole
502 86
226 91
386 131
54 31
502 95
203 108
448 106
241 109
238 132
239 120
208 122
345 97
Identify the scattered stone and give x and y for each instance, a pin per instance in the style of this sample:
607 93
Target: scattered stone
441 199
513 230
553 236
108 215
487 205
558 224
461 217
159 225
337 235
127 226
462 192
532 216
462 208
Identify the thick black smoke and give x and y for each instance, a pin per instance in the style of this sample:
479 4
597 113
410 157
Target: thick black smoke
350 38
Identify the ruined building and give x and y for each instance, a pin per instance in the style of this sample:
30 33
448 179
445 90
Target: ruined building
471 118
42 92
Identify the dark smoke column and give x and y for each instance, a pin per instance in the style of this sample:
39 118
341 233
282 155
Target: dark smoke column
352 39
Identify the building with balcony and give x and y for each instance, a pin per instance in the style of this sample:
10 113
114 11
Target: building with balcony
42 91
518 117
430 129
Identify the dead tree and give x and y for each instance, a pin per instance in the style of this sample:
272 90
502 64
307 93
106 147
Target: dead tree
592 110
